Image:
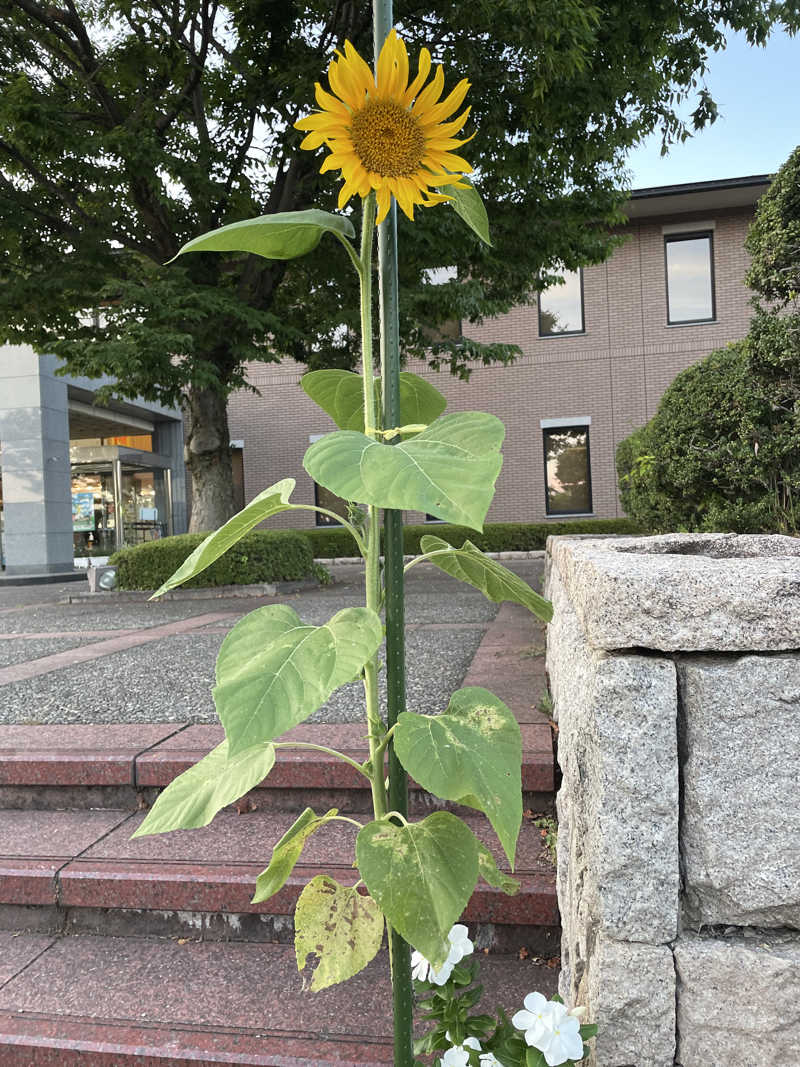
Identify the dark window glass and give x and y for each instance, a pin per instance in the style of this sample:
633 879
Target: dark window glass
324 498
690 278
561 306
567 472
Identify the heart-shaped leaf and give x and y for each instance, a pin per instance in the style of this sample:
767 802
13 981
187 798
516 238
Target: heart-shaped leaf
469 206
287 852
270 502
194 797
495 581
284 235
337 925
273 671
340 393
492 875
471 754
422 876
448 470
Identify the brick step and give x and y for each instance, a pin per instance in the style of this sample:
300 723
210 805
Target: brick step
125 765
79 870
85 1001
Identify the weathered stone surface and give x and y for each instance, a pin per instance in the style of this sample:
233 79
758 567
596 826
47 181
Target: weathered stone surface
738 1001
740 753
618 804
629 990
684 592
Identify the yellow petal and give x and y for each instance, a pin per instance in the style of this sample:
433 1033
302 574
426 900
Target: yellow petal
392 66
446 129
430 94
419 81
448 105
384 198
317 120
446 161
313 140
358 68
345 193
436 144
330 103
343 85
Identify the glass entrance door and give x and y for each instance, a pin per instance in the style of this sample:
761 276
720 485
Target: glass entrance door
94 520
145 504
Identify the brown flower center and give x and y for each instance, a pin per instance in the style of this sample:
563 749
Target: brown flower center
387 138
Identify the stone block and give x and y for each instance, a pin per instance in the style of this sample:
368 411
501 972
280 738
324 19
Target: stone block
618 803
738 1000
740 753
684 592
629 991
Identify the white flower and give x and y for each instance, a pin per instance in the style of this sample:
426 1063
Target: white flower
551 1029
488 1059
460 946
458 1055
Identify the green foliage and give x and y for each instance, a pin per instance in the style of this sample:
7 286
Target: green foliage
496 582
471 754
348 923
468 205
340 394
273 672
260 556
269 502
422 875
448 470
287 852
334 542
194 797
284 235
773 241
722 451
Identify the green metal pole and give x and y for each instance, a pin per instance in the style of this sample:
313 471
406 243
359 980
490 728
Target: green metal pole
402 990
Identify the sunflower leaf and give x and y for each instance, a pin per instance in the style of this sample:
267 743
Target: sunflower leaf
337 925
273 671
287 852
496 582
218 779
283 235
340 393
469 206
448 470
269 502
421 875
470 754
492 875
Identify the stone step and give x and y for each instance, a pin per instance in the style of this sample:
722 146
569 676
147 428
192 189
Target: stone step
125 765
90 1001
79 870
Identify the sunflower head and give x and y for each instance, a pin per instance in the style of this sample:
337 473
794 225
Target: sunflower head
387 133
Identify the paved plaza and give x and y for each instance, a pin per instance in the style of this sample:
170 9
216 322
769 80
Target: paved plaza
108 660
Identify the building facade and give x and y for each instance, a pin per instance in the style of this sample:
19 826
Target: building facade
79 480
598 353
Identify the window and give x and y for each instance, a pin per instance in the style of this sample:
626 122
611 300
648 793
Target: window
324 498
566 470
689 259
561 306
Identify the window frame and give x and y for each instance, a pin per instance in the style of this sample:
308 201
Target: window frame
691 235
561 333
583 427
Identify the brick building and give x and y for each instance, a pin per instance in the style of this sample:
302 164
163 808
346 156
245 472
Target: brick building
598 353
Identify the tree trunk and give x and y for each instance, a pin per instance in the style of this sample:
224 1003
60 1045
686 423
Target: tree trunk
208 459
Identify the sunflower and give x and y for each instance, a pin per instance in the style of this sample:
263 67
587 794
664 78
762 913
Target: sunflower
387 134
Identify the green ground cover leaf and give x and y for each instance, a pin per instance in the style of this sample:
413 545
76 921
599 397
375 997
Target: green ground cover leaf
422 876
340 393
283 235
269 502
194 797
339 926
448 470
472 754
492 875
273 671
469 206
287 852
496 582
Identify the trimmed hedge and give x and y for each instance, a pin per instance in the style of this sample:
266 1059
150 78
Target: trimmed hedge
260 556
332 542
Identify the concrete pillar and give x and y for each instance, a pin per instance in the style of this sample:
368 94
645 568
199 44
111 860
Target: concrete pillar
34 438
168 441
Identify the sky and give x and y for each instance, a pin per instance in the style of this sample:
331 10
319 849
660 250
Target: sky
757 91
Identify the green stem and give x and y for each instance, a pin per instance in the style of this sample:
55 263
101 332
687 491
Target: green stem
373 584
359 540
322 748
427 556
